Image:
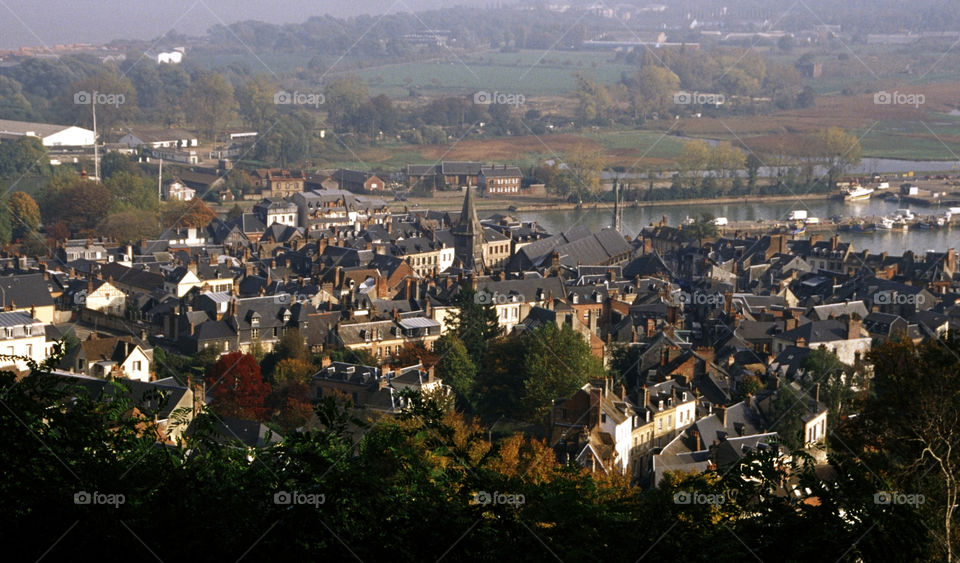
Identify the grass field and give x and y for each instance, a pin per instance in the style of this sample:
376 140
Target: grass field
531 73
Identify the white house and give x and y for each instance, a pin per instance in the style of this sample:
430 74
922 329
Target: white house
51 135
102 357
176 190
23 336
102 296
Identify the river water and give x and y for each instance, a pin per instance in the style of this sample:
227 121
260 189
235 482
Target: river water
634 219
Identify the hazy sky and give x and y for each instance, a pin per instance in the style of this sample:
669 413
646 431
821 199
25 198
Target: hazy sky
39 22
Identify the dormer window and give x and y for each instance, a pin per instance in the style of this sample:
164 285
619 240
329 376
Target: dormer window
255 320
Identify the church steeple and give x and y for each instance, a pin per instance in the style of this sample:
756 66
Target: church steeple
468 237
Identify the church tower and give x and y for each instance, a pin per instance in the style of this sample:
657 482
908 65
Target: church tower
468 237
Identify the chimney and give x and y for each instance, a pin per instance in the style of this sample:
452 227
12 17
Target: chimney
816 392
722 415
596 394
853 327
748 400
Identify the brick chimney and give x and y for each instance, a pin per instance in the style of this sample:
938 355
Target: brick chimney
853 327
596 395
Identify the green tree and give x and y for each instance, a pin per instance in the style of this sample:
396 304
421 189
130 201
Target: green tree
556 362
210 103
255 100
25 155
114 162
474 321
455 367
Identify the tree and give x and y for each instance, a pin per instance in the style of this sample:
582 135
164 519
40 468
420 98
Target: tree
210 103
475 321
131 225
586 169
455 367
237 387
694 159
112 93
293 370
653 90
343 101
80 203
255 99
24 214
114 162
703 227
131 191
911 425
837 150
193 213
556 362
753 164
25 155
725 159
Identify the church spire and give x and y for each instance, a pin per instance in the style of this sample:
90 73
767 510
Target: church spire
468 236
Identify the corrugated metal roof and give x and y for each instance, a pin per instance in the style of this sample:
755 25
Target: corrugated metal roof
419 322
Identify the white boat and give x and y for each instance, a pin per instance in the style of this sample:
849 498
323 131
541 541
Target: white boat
886 223
857 193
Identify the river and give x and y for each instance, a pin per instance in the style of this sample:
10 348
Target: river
634 219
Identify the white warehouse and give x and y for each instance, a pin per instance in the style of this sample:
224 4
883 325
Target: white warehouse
50 135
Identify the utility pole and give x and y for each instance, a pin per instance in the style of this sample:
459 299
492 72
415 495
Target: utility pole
96 150
160 182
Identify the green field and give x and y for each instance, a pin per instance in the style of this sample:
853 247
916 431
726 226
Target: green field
531 73
937 139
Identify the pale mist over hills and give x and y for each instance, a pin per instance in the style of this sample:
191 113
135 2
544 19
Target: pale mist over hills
39 22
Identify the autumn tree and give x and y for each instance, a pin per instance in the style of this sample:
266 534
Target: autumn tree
238 388
586 169
24 214
694 160
837 151
193 213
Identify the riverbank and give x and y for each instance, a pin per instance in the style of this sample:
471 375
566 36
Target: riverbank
518 205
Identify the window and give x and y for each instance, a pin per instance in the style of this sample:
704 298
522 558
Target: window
136 366
254 333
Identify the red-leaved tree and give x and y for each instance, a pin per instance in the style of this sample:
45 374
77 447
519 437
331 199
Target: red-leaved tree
238 387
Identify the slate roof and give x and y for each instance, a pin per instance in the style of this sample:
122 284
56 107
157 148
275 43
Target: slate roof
25 291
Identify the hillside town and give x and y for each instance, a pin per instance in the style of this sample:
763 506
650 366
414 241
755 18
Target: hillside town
700 336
